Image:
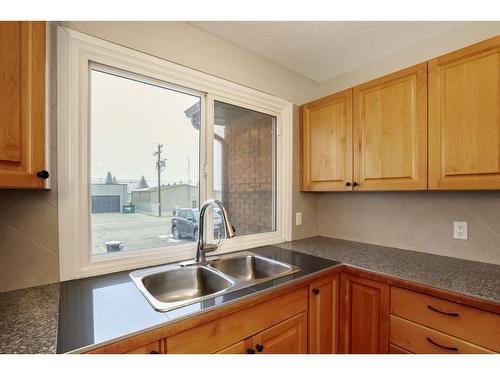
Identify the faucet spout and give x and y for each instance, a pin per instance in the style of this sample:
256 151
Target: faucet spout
202 246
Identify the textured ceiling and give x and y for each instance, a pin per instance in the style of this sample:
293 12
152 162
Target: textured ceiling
323 50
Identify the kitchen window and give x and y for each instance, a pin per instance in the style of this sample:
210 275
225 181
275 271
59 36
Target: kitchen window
142 142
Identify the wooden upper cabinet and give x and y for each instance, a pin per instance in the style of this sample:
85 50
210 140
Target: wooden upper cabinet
390 131
364 316
464 118
324 315
327 143
22 104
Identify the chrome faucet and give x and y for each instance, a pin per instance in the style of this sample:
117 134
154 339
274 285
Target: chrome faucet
204 247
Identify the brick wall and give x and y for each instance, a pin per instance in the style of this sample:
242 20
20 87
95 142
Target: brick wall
247 177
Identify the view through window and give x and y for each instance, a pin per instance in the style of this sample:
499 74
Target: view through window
244 167
144 164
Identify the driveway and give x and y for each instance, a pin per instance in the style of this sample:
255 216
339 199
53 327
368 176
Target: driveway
134 231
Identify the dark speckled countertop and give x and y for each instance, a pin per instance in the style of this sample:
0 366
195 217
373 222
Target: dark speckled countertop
28 320
475 279
103 309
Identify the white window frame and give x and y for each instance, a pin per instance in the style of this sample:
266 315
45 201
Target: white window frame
75 53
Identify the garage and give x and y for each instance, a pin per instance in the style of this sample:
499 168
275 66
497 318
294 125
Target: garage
105 203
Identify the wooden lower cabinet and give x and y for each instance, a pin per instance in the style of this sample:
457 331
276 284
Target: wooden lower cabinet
394 349
425 324
241 347
229 330
364 315
151 348
352 312
324 315
288 337
419 339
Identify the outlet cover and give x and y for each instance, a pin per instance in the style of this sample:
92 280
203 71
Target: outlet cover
298 218
460 230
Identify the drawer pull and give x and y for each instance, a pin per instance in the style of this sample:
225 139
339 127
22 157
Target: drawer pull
453 349
250 351
153 352
442 312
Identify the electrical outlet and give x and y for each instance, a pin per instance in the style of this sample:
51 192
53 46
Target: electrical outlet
460 231
298 218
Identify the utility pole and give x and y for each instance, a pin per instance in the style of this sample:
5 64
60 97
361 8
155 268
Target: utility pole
160 165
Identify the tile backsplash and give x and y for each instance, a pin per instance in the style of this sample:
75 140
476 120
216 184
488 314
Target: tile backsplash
421 221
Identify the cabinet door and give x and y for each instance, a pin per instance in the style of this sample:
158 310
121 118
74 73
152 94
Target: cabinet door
152 348
241 347
364 315
327 143
323 316
390 131
288 337
22 104
464 118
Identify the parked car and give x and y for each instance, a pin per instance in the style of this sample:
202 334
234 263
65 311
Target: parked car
185 223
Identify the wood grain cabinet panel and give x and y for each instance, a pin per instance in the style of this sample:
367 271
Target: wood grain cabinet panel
473 325
241 347
152 348
394 349
288 337
22 104
327 143
464 118
390 131
364 315
221 333
323 315
422 340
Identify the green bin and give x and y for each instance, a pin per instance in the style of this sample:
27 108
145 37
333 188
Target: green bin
128 209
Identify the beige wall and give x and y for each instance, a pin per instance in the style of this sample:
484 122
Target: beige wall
421 221
184 44
307 203
468 34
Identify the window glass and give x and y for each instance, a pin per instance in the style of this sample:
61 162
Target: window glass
244 167
144 162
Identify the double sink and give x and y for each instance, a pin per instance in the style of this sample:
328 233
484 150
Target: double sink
172 286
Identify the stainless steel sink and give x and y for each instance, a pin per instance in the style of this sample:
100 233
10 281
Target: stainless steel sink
249 267
173 286
185 284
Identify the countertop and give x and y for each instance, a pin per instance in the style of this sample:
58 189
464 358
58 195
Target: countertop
28 320
474 279
84 313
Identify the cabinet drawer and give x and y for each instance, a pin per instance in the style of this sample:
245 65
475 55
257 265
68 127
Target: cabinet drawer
394 349
151 348
221 333
422 340
468 323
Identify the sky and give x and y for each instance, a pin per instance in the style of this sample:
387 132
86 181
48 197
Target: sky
129 119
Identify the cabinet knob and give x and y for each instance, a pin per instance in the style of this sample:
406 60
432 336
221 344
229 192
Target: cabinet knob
43 174
250 351
259 347
355 184
347 184
316 291
153 352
